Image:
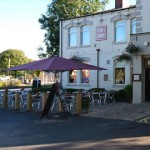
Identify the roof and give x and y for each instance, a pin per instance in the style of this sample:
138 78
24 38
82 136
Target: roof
103 12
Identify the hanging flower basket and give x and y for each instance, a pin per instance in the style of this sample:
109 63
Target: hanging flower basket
76 58
131 48
124 57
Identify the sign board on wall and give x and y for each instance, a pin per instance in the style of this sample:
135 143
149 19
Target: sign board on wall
101 33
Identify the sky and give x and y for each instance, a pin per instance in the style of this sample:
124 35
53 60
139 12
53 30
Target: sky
19 26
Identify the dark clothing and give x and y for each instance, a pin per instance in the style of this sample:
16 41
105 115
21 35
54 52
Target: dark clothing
36 84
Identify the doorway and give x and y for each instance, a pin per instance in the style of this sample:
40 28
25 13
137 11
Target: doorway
147 84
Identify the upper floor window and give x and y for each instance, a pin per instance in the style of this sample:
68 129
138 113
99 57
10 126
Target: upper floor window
133 26
72 37
120 31
85 35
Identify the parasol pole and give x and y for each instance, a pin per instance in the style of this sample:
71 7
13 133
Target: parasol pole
98 50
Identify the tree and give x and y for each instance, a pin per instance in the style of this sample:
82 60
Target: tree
12 57
64 9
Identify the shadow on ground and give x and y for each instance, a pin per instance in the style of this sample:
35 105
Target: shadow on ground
23 130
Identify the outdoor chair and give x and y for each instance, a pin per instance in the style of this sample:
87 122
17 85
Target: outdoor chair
36 100
11 99
96 98
23 100
104 96
71 102
1 98
111 97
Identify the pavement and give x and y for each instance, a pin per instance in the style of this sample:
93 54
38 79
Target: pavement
123 111
112 126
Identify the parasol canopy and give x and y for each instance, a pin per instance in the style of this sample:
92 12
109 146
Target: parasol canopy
55 64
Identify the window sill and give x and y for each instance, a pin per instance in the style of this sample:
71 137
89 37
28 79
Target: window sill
72 84
82 46
117 43
72 47
119 85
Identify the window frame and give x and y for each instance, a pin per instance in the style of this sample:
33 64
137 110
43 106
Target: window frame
72 35
133 25
120 27
74 76
84 34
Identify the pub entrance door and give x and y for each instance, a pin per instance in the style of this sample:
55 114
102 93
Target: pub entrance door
147 84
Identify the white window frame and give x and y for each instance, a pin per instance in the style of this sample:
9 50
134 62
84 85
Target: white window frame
133 26
72 37
85 32
120 65
120 25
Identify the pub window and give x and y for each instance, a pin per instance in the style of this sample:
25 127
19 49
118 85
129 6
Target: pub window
72 37
120 76
120 72
85 76
72 76
85 35
133 26
120 31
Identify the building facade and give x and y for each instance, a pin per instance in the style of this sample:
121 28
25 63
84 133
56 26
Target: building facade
141 62
99 39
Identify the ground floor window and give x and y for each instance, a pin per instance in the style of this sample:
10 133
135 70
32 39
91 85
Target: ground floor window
85 75
120 72
119 75
72 76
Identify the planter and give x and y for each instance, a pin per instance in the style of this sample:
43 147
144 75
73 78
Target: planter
124 57
85 104
131 48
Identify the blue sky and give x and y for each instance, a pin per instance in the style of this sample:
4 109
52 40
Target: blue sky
19 26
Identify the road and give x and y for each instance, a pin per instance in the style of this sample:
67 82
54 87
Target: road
24 131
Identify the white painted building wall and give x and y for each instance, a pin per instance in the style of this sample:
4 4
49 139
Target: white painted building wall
141 40
143 15
108 48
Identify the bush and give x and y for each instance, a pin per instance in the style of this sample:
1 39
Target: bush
71 90
85 103
128 89
10 83
120 96
43 88
97 89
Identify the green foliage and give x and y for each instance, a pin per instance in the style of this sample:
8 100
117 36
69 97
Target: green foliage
43 88
131 48
124 95
10 58
77 58
120 96
11 83
85 103
97 89
129 92
63 9
124 57
71 90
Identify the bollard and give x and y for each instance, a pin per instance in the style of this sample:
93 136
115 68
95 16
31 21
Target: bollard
44 99
5 99
17 101
29 102
78 103
60 109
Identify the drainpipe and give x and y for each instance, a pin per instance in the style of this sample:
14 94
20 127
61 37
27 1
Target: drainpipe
60 47
98 50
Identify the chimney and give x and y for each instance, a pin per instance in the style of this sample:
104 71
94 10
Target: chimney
118 4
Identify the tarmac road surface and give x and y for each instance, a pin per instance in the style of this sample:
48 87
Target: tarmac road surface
24 131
